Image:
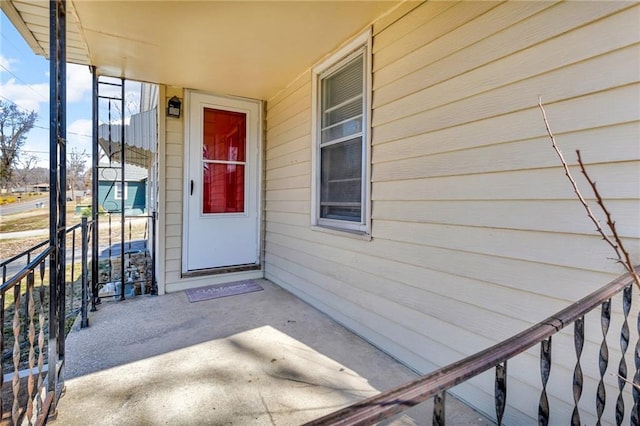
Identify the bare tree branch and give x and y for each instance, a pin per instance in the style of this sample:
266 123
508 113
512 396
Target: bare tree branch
567 172
624 379
622 254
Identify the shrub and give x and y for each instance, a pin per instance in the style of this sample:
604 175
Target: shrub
7 199
86 212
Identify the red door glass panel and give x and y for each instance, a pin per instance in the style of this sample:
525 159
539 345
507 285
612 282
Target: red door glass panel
223 158
224 135
223 188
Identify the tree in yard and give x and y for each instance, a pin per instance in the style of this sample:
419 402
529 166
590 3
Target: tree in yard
14 126
24 173
87 178
76 166
38 176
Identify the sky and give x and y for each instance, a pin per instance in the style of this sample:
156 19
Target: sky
24 80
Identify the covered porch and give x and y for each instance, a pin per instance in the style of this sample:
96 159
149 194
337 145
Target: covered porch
467 231
257 358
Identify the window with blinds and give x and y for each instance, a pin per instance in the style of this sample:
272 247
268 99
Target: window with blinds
341 140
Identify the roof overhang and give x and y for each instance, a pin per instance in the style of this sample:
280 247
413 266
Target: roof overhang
31 19
243 48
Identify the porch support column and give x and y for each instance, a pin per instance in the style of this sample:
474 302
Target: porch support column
57 195
95 157
123 148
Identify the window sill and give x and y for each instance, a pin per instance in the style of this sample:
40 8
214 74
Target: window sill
349 233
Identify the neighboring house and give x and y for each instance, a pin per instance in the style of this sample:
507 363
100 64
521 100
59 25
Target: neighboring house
141 140
388 163
41 187
111 194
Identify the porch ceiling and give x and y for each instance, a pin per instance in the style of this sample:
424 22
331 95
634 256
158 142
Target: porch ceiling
244 48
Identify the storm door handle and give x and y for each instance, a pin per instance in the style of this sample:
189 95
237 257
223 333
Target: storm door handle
191 187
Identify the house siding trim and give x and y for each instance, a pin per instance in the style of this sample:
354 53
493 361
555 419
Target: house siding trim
161 247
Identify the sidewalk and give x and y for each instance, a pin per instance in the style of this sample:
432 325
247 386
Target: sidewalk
115 224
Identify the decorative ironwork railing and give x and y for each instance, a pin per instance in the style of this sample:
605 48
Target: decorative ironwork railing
436 384
27 312
132 257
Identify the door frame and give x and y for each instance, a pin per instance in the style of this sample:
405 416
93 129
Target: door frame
186 184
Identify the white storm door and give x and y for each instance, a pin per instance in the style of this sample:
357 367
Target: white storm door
222 183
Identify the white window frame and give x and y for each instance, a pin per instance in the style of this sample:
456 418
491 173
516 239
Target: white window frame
360 44
117 191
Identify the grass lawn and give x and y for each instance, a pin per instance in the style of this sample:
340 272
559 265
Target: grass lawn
38 219
12 247
34 219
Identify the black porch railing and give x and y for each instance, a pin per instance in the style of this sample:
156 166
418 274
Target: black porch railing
26 312
27 321
22 405
436 384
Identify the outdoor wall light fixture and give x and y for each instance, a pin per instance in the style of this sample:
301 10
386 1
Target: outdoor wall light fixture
173 110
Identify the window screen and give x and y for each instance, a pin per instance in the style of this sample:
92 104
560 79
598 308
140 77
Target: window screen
341 142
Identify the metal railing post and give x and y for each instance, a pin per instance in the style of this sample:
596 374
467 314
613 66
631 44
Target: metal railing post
84 320
73 269
2 343
154 284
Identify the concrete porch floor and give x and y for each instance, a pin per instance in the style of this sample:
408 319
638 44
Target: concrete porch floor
251 359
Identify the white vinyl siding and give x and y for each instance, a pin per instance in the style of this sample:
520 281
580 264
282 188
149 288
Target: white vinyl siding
476 233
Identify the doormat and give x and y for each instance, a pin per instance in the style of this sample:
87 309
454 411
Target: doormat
222 290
